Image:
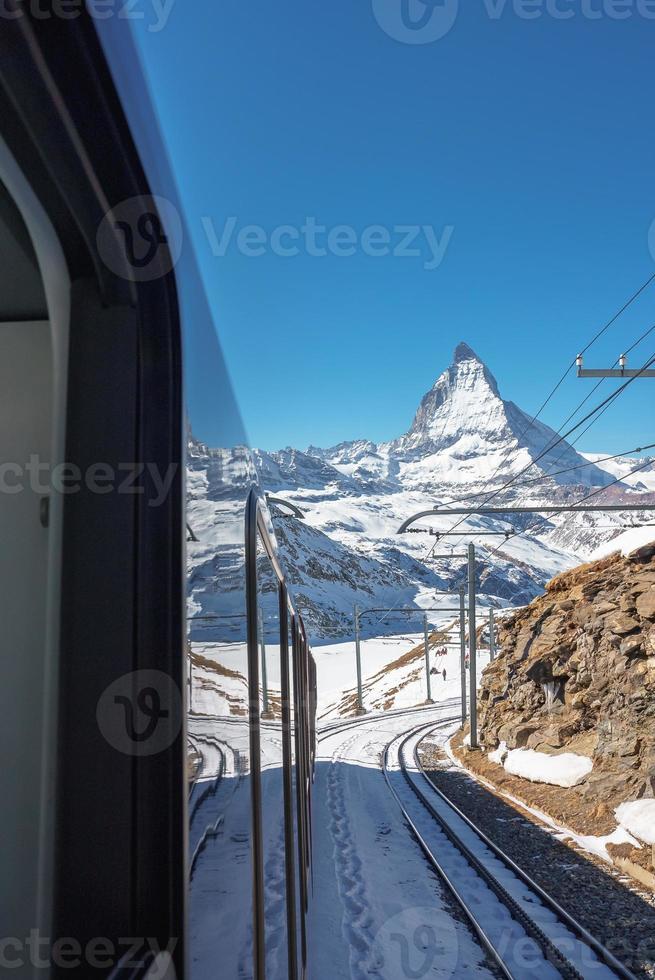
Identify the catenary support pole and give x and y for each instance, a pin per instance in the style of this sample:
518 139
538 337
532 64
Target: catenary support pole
472 648
427 657
462 648
358 658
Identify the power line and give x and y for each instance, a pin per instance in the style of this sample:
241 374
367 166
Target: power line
606 402
567 469
593 340
617 315
581 501
593 390
597 412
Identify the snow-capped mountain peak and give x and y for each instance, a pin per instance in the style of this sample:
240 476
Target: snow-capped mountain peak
463 400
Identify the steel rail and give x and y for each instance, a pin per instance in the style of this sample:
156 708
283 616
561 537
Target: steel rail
335 727
601 951
469 914
550 950
359 722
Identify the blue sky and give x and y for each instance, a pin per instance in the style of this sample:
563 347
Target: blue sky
531 139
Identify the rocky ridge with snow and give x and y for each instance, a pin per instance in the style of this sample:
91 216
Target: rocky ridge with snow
576 674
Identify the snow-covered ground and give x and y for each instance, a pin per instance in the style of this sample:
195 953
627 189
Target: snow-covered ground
393 674
587 842
362 898
623 466
626 542
378 908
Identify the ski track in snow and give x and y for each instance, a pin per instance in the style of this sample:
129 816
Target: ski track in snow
377 871
275 888
356 920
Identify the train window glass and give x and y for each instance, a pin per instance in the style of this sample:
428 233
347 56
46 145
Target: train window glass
219 764
272 769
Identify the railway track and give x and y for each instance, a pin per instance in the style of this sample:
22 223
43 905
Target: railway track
342 725
526 932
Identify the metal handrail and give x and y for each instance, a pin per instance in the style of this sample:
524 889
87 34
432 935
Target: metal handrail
304 696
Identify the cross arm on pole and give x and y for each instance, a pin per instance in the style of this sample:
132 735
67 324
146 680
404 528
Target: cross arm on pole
279 502
538 509
621 372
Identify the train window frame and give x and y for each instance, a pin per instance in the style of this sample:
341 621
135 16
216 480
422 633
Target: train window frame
118 855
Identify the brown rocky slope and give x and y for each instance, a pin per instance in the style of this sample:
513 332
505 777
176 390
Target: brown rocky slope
576 672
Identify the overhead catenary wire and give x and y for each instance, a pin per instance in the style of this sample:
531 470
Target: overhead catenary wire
594 390
553 391
567 469
589 496
570 367
606 402
602 406
593 340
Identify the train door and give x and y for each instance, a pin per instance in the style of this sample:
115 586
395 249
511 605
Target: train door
93 777
32 379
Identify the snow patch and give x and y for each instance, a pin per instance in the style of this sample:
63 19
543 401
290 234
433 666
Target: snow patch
498 755
638 818
567 769
635 537
587 842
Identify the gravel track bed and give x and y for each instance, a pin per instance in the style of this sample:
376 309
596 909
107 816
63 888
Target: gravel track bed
621 917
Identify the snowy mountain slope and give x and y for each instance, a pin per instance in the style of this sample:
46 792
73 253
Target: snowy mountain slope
465 439
623 466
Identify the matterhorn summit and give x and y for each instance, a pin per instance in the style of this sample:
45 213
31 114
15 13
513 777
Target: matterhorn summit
464 404
463 433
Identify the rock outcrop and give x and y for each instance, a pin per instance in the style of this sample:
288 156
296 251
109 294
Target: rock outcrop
576 672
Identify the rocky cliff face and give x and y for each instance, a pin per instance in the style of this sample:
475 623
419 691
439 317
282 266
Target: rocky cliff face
576 672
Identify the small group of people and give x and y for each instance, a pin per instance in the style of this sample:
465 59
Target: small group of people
435 671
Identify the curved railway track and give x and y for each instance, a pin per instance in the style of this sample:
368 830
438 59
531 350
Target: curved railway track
526 932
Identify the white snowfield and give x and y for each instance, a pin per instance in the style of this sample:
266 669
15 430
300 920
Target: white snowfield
389 680
378 911
635 537
567 769
498 755
638 818
622 467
